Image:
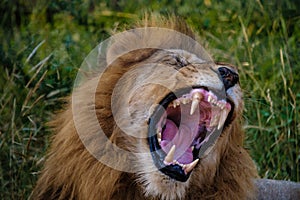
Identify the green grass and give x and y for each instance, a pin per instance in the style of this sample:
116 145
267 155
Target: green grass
43 45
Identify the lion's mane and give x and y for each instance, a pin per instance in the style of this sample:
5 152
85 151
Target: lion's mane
72 172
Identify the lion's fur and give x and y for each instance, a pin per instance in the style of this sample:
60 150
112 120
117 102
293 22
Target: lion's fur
71 171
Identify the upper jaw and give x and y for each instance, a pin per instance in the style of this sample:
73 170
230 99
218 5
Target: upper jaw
181 128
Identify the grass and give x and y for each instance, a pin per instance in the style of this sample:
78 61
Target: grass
43 44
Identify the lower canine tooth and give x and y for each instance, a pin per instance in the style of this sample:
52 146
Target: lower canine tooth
174 104
170 156
190 167
159 135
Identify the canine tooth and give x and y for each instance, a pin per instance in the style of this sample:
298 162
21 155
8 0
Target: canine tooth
159 140
197 97
190 167
194 106
223 117
174 104
214 120
170 156
159 135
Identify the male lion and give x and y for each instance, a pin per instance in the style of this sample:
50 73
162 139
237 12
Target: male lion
161 121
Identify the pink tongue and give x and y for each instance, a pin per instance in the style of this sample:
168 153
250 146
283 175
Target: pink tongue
181 138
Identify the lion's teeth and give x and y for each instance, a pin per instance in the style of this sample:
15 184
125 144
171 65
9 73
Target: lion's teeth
223 117
170 156
214 120
197 97
159 135
194 106
221 104
190 167
174 104
209 98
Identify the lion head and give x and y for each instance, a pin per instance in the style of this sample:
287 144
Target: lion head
160 120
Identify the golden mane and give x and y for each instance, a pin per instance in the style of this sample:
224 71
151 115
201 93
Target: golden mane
72 172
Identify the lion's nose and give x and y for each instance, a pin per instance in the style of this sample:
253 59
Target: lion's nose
229 77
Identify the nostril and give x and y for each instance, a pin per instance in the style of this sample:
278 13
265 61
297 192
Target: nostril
229 77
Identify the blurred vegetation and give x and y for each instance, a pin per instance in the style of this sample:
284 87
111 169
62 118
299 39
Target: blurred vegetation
44 42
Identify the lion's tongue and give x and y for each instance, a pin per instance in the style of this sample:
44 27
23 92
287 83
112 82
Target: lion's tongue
182 138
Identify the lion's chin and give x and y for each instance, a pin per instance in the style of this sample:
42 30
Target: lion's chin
154 183
157 184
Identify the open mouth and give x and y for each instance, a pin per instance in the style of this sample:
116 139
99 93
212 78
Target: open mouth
181 125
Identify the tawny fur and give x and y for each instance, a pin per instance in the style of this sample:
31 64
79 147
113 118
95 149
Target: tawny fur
71 172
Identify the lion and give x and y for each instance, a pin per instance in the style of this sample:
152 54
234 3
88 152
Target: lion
171 120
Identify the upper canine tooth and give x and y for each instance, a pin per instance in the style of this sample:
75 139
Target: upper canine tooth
170 156
190 167
214 120
197 97
223 117
194 106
